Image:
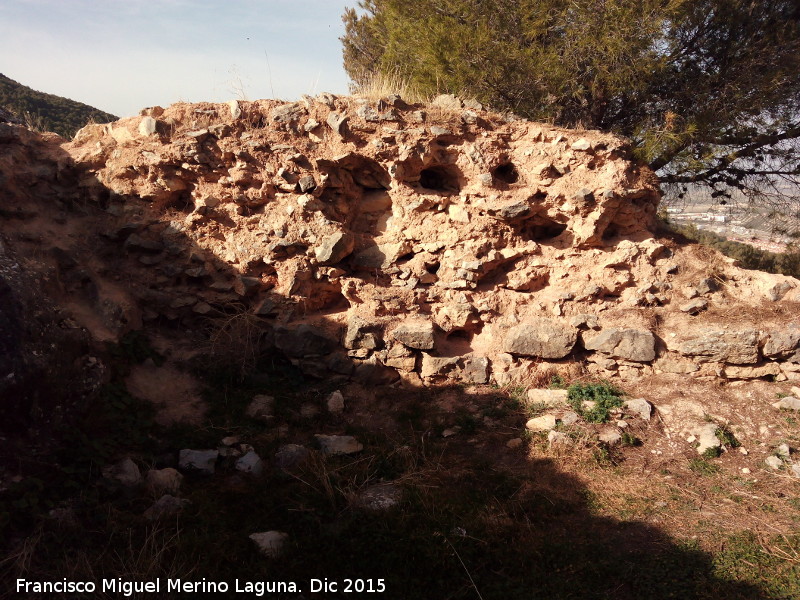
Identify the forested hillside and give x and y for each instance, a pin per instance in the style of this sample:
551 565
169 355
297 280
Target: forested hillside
48 111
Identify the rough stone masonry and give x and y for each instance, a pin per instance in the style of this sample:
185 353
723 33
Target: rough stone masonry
388 241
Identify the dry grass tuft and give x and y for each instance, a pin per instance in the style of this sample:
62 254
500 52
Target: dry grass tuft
381 85
235 340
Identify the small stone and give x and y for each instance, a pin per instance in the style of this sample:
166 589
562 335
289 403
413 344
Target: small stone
707 286
125 472
166 506
290 455
707 438
307 183
695 306
287 113
336 122
250 463
335 402
163 481
379 497
612 437
783 450
558 438
440 131
788 403
773 462
547 397
338 444
269 543
261 408
640 407
450 432
147 126
199 461
745 471
581 144
795 470
334 248
514 443
569 418
235 109
543 423
545 338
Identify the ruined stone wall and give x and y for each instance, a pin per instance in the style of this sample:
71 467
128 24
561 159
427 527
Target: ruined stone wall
386 241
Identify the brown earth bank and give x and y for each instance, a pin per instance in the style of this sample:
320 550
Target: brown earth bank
391 250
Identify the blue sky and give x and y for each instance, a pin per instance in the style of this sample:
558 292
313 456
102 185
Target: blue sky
123 55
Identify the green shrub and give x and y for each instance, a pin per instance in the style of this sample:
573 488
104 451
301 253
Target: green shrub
604 395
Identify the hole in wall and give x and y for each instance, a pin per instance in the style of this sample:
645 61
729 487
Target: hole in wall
440 179
505 173
541 228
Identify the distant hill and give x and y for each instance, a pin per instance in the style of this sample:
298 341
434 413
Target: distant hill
48 112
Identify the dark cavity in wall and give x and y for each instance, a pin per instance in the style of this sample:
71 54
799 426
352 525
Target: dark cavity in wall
442 178
541 228
505 173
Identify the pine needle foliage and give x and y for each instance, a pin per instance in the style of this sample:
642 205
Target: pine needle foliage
707 90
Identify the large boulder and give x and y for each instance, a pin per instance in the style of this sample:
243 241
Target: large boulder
334 248
415 334
629 344
545 338
711 345
782 344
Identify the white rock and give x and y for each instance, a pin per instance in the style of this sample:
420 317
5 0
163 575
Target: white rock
543 423
612 437
773 462
270 543
236 110
783 450
745 470
581 144
201 461
706 437
788 403
640 407
147 126
547 397
250 463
